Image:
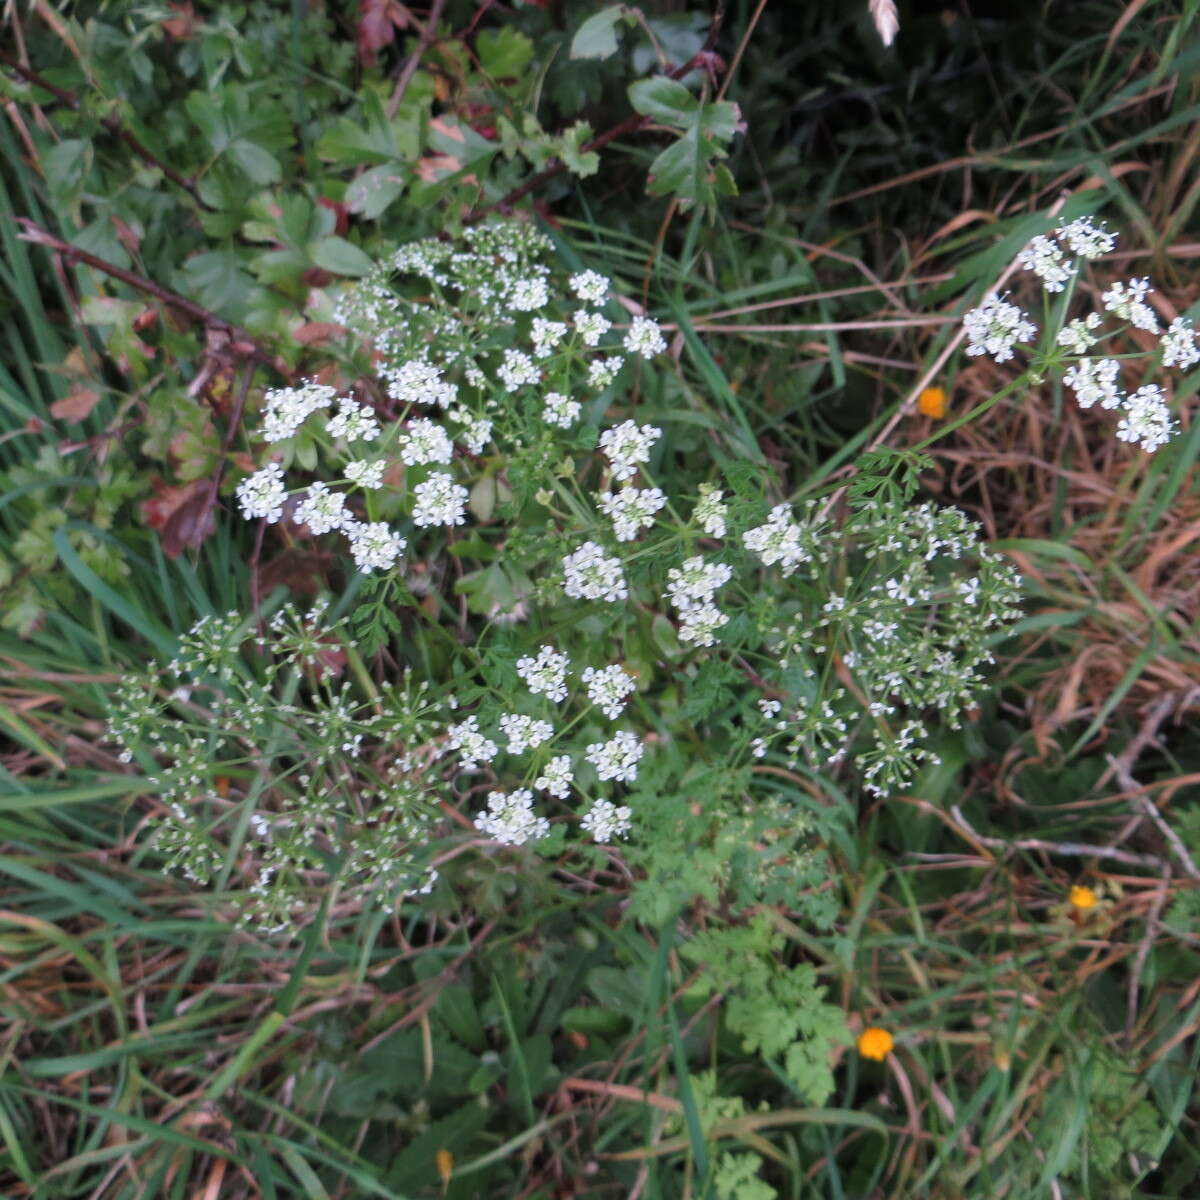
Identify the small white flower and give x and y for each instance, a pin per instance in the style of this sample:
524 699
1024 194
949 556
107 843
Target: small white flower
546 674
608 688
617 758
968 589
627 446
476 434
590 286
1044 257
591 575
1095 379
778 541
509 818
1076 335
695 582
285 409
439 501
644 338
769 708
591 326
1087 239
528 295
631 510
367 473
517 370
374 546
557 777
1179 345
1146 419
995 327
354 422
605 820
472 746
711 510
322 510
559 410
262 494
700 622
546 336
602 371
523 731
1128 301
424 442
419 382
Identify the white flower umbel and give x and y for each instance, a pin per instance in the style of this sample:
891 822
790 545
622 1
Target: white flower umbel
367 473
1128 301
556 777
602 371
627 446
1086 239
424 442
374 546
546 336
1146 419
354 422
528 295
1095 380
995 327
439 501
608 688
418 382
322 510
590 574
509 818
631 510
1179 345
617 758
560 410
472 746
711 510
606 820
644 338
546 674
1077 335
517 370
590 286
285 409
699 624
262 494
476 434
780 540
523 731
590 326
695 582
1044 257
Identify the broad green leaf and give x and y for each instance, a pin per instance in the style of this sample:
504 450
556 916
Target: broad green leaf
340 256
597 36
504 53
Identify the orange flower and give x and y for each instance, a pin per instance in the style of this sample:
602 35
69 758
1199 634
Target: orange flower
445 1165
875 1043
1082 898
933 402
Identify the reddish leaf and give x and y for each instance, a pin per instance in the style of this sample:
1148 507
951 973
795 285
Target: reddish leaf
183 515
297 569
182 23
378 21
76 406
342 224
317 331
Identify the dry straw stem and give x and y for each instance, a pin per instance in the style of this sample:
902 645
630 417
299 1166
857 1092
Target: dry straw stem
887 20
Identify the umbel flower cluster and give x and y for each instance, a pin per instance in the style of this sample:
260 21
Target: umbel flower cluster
616 617
334 775
1083 347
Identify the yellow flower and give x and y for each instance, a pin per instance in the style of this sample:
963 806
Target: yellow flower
445 1166
933 402
1082 898
875 1043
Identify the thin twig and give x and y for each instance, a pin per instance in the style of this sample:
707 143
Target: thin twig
428 33
242 343
111 123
